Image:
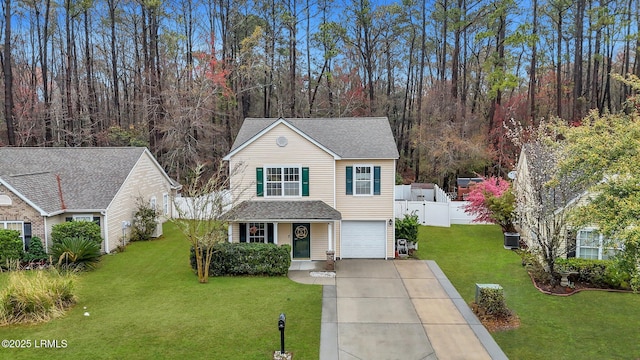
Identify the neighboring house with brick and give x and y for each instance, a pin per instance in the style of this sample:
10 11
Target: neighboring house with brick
320 185
42 187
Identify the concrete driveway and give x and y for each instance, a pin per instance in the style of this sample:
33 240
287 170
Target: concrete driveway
399 309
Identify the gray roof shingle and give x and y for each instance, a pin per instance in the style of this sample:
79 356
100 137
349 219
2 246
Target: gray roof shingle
350 138
256 210
89 177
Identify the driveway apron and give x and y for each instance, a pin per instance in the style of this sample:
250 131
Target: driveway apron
399 309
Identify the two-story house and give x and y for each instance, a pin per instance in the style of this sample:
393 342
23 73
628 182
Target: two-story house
319 185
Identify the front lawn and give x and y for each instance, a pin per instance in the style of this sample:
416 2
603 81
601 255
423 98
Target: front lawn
146 303
587 325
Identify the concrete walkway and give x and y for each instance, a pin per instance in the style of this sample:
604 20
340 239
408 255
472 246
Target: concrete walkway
395 309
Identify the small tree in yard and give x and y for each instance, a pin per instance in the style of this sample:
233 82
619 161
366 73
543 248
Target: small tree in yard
492 201
207 201
544 198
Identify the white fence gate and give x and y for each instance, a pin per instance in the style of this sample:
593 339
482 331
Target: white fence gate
436 211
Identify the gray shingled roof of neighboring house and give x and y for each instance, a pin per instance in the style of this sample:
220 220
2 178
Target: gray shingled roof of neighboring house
256 210
566 191
89 177
350 138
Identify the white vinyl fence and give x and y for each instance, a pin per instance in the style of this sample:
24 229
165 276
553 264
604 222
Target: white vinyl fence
435 210
203 206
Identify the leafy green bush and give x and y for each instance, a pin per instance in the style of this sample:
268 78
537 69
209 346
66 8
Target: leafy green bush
237 259
144 222
10 246
76 229
35 296
407 227
76 254
492 302
36 251
599 273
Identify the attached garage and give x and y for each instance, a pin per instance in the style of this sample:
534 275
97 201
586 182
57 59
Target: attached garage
363 239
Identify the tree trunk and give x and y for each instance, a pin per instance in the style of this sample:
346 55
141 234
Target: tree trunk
9 112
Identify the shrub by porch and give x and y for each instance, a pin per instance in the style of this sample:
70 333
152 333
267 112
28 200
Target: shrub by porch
257 259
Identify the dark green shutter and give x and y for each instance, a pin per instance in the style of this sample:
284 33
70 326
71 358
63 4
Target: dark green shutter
259 183
67 219
376 180
243 232
349 180
270 233
305 181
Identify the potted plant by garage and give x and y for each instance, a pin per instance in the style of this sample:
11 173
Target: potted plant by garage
493 201
407 228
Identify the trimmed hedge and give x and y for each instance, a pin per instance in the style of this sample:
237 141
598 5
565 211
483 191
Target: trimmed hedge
256 259
493 302
10 247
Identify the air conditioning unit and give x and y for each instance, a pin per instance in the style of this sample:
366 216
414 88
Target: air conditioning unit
511 240
158 230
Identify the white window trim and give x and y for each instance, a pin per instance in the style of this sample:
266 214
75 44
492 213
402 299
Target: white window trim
165 203
265 190
3 225
371 180
153 203
265 235
82 217
601 239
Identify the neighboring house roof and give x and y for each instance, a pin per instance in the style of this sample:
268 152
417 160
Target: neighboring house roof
537 158
345 138
54 180
282 210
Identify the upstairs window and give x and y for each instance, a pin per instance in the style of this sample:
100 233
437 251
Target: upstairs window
363 180
282 181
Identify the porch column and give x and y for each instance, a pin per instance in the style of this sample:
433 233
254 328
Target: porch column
330 234
275 233
230 232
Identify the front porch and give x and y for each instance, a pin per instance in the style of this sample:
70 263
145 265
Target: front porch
309 227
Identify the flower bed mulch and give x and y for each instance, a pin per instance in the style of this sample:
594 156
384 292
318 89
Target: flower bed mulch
576 287
494 323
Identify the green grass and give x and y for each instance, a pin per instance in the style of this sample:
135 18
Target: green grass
146 303
587 325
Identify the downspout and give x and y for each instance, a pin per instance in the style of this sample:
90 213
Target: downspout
106 232
46 235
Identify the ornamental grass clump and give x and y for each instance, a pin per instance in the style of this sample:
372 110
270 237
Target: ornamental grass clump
36 296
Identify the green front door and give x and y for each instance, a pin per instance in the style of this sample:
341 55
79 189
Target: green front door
301 241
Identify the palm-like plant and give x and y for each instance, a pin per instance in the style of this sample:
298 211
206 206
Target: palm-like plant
76 253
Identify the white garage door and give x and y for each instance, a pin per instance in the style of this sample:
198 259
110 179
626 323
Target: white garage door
363 239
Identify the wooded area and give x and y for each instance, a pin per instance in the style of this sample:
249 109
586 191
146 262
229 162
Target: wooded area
180 76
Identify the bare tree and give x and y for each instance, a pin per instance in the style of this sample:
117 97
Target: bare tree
9 114
201 219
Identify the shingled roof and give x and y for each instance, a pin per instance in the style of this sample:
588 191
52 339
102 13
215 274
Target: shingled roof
269 210
348 138
59 179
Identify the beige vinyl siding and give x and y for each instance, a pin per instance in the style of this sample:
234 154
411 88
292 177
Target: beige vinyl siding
367 207
284 234
319 237
298 152
144 182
